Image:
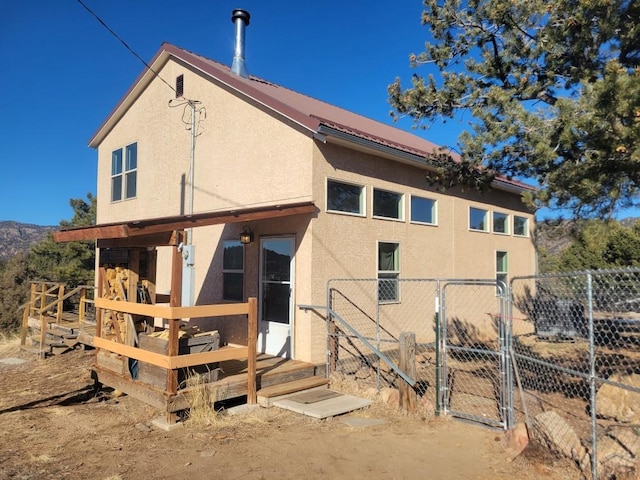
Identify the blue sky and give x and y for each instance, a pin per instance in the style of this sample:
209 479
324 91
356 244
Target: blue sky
66 72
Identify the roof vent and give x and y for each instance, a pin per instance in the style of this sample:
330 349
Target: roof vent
241 19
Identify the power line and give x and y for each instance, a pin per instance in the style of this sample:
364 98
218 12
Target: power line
125 44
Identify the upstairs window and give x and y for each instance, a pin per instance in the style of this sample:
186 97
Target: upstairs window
387 204
233 271
500 223
520 226
179 86
423 210
478 220
124 172
345 197
388 272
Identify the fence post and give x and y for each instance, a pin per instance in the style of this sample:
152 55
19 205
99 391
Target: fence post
592 380
59 306
407 364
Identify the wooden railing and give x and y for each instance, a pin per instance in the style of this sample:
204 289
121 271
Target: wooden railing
172 361
41 306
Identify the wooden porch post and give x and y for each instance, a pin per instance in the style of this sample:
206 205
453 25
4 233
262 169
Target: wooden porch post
407 364
99 293
175 300
59 307
252 350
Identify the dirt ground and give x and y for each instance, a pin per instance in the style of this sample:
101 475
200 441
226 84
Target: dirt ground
54 425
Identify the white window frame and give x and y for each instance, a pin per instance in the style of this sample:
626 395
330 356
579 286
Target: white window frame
507 223
486 219
526 226
388 276
502 268
400 205
434 210
362 199
124 173
225 270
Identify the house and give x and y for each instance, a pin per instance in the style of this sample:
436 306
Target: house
286 192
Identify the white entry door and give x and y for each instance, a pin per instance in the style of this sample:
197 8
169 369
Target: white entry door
276 296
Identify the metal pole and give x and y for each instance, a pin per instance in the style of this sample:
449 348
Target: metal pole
592 380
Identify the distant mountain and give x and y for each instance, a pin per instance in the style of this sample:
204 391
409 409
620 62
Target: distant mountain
18 237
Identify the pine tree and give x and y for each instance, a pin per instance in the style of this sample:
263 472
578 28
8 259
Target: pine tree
553 89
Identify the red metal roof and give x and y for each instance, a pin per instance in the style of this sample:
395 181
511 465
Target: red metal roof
306 111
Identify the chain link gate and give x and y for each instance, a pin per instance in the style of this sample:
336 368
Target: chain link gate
476 379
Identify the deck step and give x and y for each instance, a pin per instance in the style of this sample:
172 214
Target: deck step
267 395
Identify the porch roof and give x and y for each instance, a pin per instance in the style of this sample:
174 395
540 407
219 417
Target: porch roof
159 230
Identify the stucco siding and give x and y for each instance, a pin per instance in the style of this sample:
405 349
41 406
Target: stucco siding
244 156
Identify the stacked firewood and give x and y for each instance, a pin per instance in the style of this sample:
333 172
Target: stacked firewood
115 324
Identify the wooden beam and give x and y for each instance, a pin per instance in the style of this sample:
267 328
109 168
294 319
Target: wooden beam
92 233
173 313
407 363
252 350
161 239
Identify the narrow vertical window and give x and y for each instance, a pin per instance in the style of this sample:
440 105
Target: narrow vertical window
502 268
179 86
116 175
131 171
388 272
233 271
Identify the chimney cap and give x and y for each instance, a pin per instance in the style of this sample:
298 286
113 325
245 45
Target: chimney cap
242 14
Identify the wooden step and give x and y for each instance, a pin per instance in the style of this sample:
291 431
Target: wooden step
267 395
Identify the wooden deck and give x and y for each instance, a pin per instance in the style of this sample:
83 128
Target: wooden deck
232 382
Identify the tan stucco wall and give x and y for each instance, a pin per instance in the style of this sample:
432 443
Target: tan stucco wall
246 157
243 156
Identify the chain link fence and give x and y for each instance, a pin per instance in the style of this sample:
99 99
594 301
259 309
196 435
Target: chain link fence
576 351
558 352
379 311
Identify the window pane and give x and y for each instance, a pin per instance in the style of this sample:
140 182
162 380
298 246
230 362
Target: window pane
132 156
387 204
422 210
342 197
233 256
233 288
116 188
501 262
520 226
116 162
388 257
275 302
277 261
500 222
388 287
477 219
131 184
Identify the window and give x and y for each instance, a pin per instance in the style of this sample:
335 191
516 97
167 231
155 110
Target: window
521 226
345 197
388 272
478 219
387 204
124 177
500 223
233 271
423 210
502 267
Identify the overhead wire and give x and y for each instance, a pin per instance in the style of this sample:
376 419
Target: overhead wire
103 23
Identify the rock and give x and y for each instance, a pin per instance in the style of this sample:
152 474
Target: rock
363 373
390 396
552 431
517 438
628 438
614 461
618 403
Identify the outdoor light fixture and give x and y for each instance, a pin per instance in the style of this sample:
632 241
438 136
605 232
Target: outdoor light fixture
246 236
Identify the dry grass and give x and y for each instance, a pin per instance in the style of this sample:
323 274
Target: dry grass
201 401
9 344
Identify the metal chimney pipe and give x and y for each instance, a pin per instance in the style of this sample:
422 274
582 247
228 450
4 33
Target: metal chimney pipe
241 19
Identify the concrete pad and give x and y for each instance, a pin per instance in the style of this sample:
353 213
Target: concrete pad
362 422
325 408
241 409
12 361
161 422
